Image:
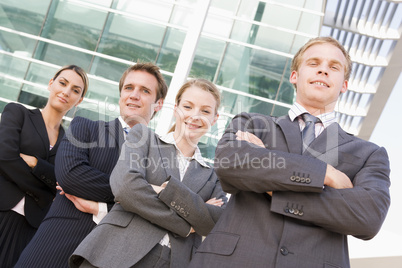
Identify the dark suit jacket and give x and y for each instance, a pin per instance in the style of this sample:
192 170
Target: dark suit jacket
24 131
302 225
85 160
141 218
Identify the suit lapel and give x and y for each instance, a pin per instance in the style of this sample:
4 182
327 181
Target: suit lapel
196 176
115 131
168 155
59 138
40 128
325 146
291 131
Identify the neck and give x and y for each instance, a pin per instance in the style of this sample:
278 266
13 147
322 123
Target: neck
318 110
52 117
186 146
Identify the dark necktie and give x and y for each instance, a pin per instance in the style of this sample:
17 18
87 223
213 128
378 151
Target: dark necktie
308 133
126 129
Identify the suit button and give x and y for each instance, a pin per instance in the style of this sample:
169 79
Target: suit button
292 178
302 180
182 210
297 179
173 203
308 180
291 210
177 207
284 251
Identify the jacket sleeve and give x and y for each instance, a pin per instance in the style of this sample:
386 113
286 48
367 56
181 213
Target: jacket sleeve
12 166
131 188
74 169
358 211
242 166
191 207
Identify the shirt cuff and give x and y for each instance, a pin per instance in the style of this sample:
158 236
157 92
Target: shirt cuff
101 213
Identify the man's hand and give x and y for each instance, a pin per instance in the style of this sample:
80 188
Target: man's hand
249 137
30 160
215 202
336 179
83 205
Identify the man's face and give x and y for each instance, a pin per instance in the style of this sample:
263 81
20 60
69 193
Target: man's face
320 78
138 98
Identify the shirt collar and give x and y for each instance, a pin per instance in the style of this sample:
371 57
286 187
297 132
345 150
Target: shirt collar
169 138
123 123
326 118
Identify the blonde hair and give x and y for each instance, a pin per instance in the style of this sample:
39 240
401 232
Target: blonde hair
298 57
205 85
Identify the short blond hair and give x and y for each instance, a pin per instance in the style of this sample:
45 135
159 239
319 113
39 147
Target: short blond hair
297 59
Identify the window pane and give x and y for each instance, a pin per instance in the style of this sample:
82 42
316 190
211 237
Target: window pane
169 54
83 31
206 60
23 15
108 69
18 44
62 56
153 9
182 16
229 6
280 110
235 104
12 66
130 39
253 71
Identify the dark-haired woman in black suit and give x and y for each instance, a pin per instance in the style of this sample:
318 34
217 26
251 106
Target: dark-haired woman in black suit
28 143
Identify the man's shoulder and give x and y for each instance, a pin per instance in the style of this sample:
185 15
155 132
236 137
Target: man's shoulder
79 120
260 119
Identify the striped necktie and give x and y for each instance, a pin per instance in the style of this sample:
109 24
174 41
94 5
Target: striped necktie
308 133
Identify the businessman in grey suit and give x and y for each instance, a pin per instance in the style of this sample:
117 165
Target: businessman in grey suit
167 197
85 160
293 202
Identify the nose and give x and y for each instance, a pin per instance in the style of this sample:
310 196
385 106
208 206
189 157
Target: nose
323 69
135 94
66 91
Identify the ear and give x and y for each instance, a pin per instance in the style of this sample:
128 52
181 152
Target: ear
215 119
344 87
293 77
50 84
158 106
82 98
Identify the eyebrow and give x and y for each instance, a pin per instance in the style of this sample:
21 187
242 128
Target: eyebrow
208 106
333 61
142 87
75 86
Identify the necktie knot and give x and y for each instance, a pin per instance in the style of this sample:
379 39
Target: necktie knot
126 129
308 119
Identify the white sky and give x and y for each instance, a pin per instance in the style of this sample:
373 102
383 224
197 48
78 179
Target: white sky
387 133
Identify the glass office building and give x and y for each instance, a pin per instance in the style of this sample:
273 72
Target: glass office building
244 46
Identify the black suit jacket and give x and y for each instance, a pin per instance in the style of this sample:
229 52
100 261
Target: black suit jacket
87 155
24 131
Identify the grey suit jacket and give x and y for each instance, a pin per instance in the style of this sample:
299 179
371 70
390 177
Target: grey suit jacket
141 218
302 225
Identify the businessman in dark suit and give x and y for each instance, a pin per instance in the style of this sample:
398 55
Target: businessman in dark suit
293 202
86 158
